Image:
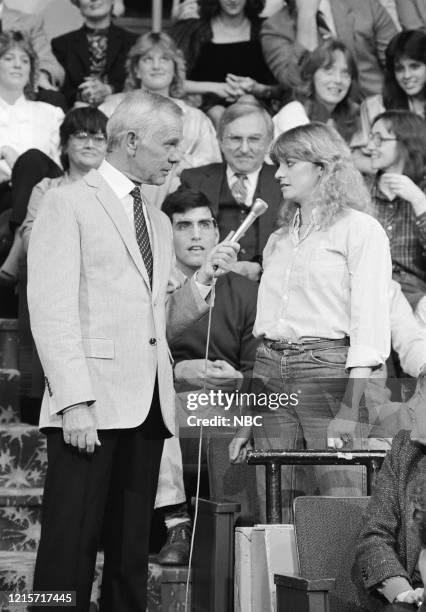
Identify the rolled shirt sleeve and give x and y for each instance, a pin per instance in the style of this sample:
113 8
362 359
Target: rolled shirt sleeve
370 270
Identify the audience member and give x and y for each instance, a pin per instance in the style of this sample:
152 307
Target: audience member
323 306
223 53
245 135
390 559
404 85
411 13
93 56
230 358
323 91
51 72
83 146
24 124
398 155
363 25
156 64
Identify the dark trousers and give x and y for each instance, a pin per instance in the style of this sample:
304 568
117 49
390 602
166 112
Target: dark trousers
106 497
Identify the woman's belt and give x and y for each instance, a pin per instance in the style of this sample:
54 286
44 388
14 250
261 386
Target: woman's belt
306 343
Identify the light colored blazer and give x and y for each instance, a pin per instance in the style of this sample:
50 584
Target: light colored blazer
33 26
99 329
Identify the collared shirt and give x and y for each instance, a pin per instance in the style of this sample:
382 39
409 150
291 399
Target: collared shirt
250 183
27 124
329 283
325 8
121 185
406 232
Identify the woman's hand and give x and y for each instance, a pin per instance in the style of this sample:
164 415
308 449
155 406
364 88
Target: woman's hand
10 155
94 91
187 9
342 430
240 444
403 187
228 91
247 85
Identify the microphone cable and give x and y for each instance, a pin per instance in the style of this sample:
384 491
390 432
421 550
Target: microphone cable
200 440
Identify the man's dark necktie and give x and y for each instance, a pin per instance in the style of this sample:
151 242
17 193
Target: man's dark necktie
142 236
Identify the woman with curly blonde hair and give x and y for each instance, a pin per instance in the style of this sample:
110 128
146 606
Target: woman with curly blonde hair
323 305
156 64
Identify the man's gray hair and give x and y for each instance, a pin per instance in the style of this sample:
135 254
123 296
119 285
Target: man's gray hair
139 112
244 109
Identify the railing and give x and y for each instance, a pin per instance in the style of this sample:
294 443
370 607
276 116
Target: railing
274 459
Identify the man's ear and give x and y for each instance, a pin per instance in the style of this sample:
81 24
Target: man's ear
132 141
216 232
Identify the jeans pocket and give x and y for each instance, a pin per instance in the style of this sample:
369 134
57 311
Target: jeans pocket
332 357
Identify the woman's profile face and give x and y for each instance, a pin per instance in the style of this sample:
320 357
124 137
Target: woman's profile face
298 179
156 70
410 75
384 148
232 7
15 68
332 83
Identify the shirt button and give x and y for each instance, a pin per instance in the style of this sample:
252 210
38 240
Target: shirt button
389 227
153 341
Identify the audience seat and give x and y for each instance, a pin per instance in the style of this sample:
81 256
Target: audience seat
326 530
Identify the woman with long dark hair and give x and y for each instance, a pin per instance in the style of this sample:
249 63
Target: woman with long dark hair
404 84
398 155
223 53
323 305
323 91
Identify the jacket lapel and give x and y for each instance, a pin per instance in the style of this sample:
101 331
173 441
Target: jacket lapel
115 210
81 48
212 184
114 45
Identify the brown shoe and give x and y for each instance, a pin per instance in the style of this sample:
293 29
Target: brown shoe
176 549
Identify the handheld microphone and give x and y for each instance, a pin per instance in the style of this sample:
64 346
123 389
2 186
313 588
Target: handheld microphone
257 209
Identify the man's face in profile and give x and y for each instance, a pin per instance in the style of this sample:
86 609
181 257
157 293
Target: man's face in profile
158 150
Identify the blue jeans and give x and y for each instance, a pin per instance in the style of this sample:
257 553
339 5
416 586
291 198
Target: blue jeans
317 379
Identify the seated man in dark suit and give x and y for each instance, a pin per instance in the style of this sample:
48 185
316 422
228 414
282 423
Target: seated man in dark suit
245 133
93 56
231 355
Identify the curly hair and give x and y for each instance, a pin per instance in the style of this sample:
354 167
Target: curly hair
143 45
410 44
346 112
13 39
410 132
341 187
211 8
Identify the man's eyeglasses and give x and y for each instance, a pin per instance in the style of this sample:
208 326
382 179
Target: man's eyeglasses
187 227
378 139
83 137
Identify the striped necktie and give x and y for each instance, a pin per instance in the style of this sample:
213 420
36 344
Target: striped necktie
142 235
239 189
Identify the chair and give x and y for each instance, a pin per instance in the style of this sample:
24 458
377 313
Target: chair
326 530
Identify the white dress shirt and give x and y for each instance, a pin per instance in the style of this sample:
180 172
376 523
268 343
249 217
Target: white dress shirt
329 283
30 125
250 184
121 185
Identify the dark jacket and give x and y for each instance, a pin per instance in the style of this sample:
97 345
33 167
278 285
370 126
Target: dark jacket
389 543
72 52
210 179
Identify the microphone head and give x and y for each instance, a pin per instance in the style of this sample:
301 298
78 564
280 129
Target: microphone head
259 206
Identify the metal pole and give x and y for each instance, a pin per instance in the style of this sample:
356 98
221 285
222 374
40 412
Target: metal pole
157 9
273 493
